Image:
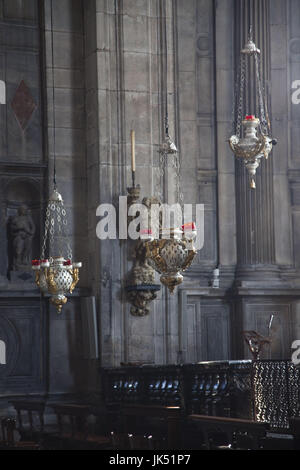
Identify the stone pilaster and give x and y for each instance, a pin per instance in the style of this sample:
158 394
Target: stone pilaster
226 191
255 208
125 83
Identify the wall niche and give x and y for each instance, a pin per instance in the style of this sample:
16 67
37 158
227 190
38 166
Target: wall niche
20 232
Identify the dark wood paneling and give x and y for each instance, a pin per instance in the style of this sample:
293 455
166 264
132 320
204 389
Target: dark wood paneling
22 328
204 328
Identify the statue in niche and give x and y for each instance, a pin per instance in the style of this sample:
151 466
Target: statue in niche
22 230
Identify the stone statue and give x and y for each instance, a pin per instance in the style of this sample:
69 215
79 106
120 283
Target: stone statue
22 230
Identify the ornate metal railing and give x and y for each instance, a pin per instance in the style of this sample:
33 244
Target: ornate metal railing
264 390
213 388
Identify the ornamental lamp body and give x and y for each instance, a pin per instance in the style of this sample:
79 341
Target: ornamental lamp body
171 256
56 275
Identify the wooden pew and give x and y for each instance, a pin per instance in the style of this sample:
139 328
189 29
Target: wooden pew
123 441
8 427
76 435
34 411
228 433
170 415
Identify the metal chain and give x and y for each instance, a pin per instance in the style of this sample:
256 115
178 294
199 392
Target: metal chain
65 223
45 233
177 167
157 185
265 123
162 166
167 159
55 224
241 95
235 99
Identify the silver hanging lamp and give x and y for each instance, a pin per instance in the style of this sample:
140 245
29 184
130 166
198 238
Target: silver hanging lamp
55 272
252 139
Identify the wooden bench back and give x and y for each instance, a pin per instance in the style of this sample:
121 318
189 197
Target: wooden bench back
237 431
35 415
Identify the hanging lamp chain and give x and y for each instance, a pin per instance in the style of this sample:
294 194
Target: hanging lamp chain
53 101
56 224
169 156
240 96
264 118
56 220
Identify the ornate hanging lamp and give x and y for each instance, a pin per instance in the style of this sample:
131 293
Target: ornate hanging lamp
55 272
172 256
173 252
252 139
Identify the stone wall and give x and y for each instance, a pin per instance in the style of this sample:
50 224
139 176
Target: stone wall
251 236
108 63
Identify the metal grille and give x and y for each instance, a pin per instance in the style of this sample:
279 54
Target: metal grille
276 392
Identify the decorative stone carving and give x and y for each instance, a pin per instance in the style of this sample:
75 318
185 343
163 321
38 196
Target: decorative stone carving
140 285
22 230
134 194
142 271
140 296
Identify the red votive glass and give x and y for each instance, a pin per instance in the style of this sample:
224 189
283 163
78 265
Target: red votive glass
35 262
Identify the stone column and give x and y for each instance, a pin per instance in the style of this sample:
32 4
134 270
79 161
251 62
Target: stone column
285 72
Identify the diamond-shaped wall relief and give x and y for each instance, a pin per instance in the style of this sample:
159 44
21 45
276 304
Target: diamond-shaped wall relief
23 105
